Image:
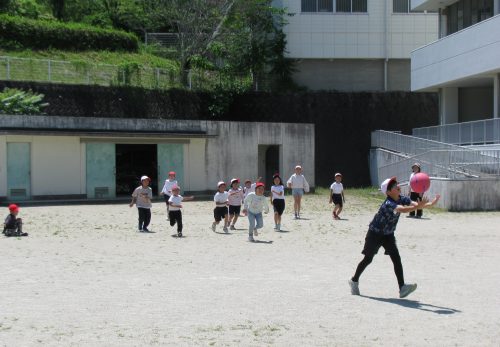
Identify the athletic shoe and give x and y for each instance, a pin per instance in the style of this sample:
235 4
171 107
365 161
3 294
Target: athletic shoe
146 230
255 233
278 227
296 215
179 234
232 227
354 287
213 226
407 289
250 238
225 229
275 226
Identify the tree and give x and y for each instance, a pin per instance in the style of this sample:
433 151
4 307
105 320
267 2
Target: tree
57 7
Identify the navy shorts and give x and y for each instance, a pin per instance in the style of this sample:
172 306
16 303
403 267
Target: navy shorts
374 241
234 209
220 213
279 206
337 199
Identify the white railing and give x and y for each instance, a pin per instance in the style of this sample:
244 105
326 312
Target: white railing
438 159
169 40
479 132
73 72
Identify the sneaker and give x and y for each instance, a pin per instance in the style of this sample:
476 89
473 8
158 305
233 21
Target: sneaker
354 287
278 227
250 238
213 226
255 233
225 229
407 289
296 216
232 227
179 234
146 230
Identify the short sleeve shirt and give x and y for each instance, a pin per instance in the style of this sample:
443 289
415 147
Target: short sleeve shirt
337 188
167 187
387 218
176 200
221 198
279 189
235 197
143 197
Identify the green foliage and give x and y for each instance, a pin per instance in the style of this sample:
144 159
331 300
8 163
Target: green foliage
24 8
15 101
41 34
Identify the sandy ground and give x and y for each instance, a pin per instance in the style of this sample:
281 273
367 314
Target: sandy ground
85 277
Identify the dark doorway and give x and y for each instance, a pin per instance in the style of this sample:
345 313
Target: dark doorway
133 161
269 162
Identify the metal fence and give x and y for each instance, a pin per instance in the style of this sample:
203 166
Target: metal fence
467 133
437 159
169 40
56 71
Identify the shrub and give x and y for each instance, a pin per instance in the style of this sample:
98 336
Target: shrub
16 101
40 34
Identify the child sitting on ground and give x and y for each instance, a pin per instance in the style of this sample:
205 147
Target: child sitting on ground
13 226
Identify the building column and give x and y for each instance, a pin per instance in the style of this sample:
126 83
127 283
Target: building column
496 96
448 105
496 7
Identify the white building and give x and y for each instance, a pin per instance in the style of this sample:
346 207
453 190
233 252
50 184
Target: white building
464 64
355 45
48 157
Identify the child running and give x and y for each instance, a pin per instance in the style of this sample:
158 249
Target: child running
220 210
12 225
381 233
142 196
235 200
167 190
175 202
299 185
277 200
254 204
337 195
250 187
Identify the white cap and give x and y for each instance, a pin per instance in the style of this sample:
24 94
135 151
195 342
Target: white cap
221 183
145 178
298 167
383 186
338 174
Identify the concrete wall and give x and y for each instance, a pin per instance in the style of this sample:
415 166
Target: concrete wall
475 103
220 151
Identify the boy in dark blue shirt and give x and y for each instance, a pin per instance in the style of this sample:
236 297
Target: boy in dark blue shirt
13 226
381 233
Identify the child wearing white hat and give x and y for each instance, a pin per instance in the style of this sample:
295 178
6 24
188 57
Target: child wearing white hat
299 185
235 199
220 210
141 197
175 204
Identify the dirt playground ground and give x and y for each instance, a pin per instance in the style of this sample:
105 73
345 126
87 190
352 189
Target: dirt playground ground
86 277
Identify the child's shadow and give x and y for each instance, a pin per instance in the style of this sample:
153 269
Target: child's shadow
148 232
262 241
343 219
177 236
223 233
282 231
416 305
302 218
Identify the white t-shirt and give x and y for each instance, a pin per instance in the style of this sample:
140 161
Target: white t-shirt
143 197
247 191
235 197
298 181
278 189
167 187
221 198
176 200
256 203
336 188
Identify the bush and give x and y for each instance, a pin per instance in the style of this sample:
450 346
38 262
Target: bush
39 34
16 101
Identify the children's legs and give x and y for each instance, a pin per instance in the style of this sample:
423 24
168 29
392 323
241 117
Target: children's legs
142 217
296 203
251 223
299 200
259 220
362 266
276 218
235 218
398 268
147 218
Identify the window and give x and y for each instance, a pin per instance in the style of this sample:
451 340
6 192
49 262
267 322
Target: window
352 6
400 6
317 6
465 13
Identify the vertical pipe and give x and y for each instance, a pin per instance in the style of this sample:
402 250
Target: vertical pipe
8 68
49 70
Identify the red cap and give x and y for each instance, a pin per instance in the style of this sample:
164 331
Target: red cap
171 173
13 208
259 184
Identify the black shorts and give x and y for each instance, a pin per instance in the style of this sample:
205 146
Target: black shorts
337 199
220 213
279 206
166 197
234 209
374 241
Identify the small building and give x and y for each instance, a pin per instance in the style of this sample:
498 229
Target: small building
47 157
355 45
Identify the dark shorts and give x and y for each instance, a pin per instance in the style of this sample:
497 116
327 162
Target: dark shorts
279 206
337 199
374 241
220 213
166 197
234 209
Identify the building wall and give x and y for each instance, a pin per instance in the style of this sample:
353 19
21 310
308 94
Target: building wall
475 103
229 149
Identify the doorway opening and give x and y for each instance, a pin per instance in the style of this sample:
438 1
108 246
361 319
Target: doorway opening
269 162
132 162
